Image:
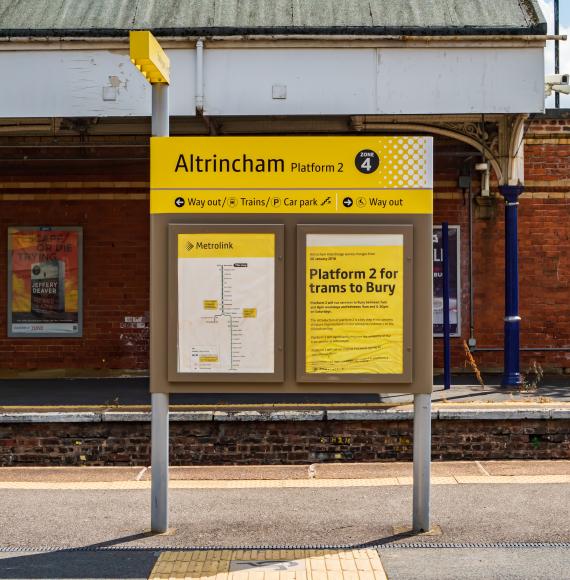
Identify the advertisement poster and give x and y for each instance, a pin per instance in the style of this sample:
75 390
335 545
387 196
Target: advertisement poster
226 303
354 304
44 281
454 282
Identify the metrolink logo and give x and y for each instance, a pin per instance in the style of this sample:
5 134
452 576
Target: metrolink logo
209 246
198 164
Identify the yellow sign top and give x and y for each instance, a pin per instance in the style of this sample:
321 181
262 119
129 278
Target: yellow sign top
364 174
147 55
226 245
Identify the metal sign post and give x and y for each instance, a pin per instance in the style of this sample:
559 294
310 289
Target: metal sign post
247 231
348 221
147 55
422 462
159 401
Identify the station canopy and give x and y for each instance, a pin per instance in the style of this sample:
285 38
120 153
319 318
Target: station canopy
88 18
464 69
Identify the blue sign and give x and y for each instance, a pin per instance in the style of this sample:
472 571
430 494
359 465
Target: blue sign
454 282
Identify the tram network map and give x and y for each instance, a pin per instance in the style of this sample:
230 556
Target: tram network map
226 304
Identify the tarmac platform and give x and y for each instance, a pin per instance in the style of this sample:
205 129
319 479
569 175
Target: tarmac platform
346 522
134 392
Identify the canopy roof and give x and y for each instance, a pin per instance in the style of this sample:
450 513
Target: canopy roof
94 18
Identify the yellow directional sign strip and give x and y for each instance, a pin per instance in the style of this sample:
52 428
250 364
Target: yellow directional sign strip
294 201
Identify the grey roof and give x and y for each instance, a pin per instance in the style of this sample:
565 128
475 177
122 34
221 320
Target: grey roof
86 18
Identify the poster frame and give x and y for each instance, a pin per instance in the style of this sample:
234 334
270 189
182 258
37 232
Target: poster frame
9 320
457 334
407 231
174 375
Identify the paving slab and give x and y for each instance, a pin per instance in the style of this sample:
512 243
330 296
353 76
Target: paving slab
332 471
61 564
476 563
260 564
398 469
69 474
236 472
558 467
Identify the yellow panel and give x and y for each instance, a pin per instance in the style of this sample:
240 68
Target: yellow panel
226 245
149 57
355 307
363 564
351 175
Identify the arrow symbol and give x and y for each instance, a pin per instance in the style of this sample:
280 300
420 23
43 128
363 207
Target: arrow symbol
179 202
347 202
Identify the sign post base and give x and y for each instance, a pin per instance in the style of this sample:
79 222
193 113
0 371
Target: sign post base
159 463
422 463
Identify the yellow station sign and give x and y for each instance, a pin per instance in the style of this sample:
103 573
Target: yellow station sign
330 175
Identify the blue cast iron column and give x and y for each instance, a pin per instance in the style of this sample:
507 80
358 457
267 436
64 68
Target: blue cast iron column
511 375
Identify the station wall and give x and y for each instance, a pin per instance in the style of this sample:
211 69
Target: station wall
112 208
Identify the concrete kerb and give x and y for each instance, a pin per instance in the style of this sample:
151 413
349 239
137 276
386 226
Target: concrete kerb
269 415
403 414
374 415
496 414
51 417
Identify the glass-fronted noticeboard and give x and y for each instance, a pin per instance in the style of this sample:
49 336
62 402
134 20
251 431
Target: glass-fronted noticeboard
354 303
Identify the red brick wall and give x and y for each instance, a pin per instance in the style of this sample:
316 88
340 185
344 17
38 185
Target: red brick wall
288 443
544 270
115 285
116 264
544 255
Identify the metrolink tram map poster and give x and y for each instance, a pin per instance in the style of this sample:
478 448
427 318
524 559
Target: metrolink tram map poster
44 297
226 302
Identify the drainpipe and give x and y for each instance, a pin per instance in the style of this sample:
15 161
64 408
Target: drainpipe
556 49
512 376
200 76
472 341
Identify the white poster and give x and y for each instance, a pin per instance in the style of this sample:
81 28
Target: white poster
226 303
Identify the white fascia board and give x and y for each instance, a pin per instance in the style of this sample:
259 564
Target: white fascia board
88 83
382 81
280 81
460 80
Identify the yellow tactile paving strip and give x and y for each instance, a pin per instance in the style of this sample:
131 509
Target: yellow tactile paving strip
287 483
362 564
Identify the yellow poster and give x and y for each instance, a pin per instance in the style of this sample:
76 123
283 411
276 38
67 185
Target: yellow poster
45 281
354 304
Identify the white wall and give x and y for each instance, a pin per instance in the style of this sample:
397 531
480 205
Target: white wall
70 83
340 81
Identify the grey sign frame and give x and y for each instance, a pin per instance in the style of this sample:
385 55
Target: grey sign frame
174 375
9 319
407 231
422 305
